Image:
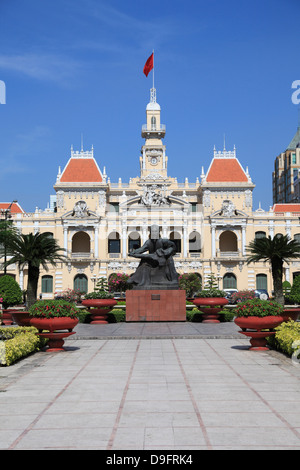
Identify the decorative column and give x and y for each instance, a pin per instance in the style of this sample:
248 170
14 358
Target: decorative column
66 239
244 240
124 242
213 241
96 242
184 240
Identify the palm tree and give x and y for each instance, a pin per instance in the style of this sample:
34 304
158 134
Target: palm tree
276 250
35 251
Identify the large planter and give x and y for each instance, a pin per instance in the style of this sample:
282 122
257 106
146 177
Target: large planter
210 307
290 314
7 318
99 308
54 327
21 317
258 329
54 323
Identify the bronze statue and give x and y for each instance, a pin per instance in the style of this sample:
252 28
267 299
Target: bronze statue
156 269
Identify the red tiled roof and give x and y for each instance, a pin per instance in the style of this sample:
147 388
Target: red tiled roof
286 208
81 170
226 170
15 207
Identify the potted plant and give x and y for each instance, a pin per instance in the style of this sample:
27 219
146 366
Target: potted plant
11 294
117 282
210 301
257 318
54 316
191 283
292 294
99 302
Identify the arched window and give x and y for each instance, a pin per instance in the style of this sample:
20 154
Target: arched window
297 237
194 242
134 241
229 281
153 123
81 243
114 243
260 234
81 283
261 281
228 241
47 284
175 237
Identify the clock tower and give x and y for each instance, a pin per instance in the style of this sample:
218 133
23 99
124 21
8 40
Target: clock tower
153 161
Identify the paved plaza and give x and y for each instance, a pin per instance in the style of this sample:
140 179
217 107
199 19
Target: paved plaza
150 387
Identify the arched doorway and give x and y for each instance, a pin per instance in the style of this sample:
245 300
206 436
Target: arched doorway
134 241
194 242
81 243
81 283
176 238
261 281
228 241
229 281
114 243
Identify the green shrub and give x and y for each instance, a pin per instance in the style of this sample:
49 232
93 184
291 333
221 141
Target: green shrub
10 291
294 295
116 315
18 342
286 334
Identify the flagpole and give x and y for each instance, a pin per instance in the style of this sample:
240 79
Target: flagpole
153 68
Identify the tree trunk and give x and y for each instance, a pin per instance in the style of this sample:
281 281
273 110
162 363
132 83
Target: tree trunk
33 278
277 269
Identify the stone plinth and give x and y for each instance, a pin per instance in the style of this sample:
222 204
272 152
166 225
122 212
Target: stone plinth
155 305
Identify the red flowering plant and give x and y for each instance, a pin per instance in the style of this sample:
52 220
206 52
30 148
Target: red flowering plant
117 282
242 296
53 308
258 308
71 295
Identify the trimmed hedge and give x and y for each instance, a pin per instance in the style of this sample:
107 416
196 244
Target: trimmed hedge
18 342
286 334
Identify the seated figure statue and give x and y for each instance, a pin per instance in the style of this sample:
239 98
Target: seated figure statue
156 269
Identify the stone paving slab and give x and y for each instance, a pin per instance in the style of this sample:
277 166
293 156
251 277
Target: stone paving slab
156 329
144 394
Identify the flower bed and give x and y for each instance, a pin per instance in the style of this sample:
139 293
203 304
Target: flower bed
18 342
258 307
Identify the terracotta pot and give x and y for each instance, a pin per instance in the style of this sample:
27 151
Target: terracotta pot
21 318
53 324
253 326
99 308
7 318
55 339
290 314
210 307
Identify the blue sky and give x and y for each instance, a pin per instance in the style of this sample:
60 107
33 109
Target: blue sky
74 67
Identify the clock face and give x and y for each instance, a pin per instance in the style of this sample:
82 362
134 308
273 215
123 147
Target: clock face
153 160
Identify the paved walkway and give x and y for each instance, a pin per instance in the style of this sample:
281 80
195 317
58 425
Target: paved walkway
192 387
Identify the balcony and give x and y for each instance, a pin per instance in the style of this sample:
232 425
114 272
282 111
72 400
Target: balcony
80 256
154 130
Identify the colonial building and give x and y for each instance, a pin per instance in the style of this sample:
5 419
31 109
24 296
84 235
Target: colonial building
211 220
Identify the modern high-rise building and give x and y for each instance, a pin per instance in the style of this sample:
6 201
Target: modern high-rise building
286 168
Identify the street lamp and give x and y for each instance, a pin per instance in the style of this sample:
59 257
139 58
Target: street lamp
7 215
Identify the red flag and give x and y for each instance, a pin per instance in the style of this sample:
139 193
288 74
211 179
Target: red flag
149 65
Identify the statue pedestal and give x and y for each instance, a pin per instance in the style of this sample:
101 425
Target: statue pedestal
155 305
